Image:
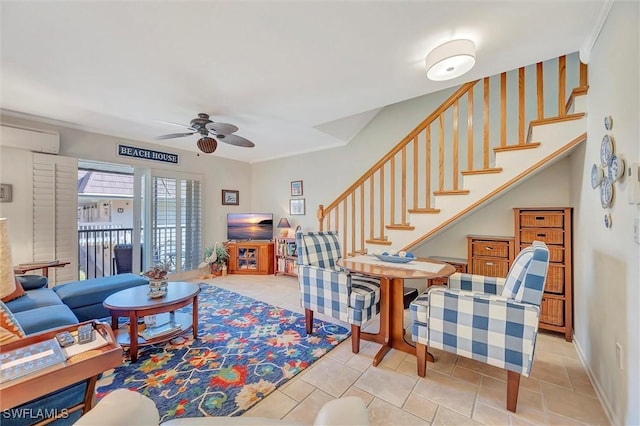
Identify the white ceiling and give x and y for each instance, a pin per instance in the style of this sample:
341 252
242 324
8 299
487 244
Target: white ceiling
293 76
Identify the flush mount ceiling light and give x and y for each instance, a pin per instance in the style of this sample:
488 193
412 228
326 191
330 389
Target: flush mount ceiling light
450 60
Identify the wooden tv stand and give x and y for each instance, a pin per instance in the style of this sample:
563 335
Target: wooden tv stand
250 257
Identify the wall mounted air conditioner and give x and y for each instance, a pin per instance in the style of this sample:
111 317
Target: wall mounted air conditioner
30 139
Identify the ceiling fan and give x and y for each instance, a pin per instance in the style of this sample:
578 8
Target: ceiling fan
205 127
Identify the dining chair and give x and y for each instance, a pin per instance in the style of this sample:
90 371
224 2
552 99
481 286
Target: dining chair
123 258
492 320
328 289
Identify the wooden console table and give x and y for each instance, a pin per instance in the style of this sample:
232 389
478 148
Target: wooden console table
42 382
43 266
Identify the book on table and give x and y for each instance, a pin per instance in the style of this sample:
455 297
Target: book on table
159 330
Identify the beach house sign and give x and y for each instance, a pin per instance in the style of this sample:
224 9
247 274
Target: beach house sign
147 154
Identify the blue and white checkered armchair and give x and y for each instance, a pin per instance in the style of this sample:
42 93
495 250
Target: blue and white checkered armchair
493 320
328 289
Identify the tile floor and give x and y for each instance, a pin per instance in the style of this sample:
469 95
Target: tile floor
456 391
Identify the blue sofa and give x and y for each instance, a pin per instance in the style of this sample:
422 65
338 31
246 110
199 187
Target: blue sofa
42 309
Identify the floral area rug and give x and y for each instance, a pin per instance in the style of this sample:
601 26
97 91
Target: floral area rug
245 350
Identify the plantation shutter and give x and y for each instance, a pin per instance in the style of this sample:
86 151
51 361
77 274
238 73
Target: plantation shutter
176 222
164 221
55 205
191 218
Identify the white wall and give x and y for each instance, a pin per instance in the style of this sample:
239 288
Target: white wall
606 261
16 169
326 174
218 174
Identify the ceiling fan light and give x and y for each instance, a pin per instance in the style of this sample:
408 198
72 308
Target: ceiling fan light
207 145
450 60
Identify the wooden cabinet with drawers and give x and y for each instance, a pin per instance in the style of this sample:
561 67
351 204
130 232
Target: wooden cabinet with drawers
551 225
490 256
459 264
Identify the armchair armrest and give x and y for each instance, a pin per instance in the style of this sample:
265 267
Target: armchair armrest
476 283
488 328
322 279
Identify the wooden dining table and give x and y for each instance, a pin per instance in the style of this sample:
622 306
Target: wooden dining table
391 333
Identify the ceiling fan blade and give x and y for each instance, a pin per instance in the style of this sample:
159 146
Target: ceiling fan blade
221 128
174 135
176 124
235 140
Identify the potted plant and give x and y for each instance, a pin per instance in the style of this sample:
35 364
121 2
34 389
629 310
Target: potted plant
158 279
216 257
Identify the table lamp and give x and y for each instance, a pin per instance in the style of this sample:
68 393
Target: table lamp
284 226
7 279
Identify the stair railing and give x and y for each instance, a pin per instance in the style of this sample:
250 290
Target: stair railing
433 157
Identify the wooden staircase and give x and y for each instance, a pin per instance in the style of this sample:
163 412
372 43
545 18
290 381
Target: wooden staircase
449 166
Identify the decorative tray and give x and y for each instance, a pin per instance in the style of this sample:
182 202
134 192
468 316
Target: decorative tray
394 259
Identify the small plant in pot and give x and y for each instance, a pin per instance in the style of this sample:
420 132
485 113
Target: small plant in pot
216 258
158 279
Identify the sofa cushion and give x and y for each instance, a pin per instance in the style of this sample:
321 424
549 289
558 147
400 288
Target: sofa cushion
32 282
34 299
9 324
45 318
94 291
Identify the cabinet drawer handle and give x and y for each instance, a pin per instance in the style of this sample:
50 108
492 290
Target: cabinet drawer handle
539 217
488 263
488 248
541 235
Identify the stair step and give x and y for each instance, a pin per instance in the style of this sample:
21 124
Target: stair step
401 227
578 91
482 171
379 242
529 145
452 192
551 120
424 211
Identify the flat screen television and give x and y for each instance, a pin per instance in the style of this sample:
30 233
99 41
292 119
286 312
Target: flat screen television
249 226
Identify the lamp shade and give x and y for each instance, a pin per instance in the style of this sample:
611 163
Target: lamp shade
284 226
7 279
450 60
284 223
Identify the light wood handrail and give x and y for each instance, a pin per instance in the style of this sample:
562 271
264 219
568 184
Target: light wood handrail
405 179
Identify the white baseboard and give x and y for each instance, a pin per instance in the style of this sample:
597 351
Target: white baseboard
596 385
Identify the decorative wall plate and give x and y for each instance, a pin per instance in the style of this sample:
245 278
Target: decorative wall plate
606 150
606 193
616 168
608 122
596 175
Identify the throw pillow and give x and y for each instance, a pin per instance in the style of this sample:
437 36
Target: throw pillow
18 292
8 322
32 282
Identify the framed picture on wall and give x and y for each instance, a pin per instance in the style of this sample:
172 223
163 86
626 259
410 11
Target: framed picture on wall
230 197
296 206
6 193
296 188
